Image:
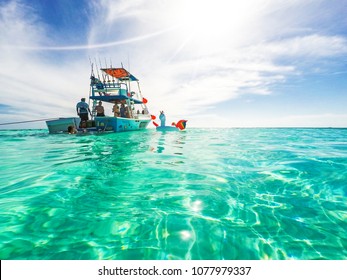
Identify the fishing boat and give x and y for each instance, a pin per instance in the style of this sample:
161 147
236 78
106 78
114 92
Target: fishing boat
118 87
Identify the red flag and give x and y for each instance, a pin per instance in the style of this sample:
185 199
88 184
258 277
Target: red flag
144 100
153 117
155 124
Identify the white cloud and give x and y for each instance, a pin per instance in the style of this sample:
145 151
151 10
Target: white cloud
190 56
310 46
309 120
34 84
19 25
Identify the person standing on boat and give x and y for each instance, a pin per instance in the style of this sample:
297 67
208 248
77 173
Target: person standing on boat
122 111
82 109
100 111
162 118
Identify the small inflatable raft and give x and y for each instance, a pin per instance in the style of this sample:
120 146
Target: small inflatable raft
167 128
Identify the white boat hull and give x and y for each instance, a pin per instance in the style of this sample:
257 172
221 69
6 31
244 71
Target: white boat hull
61 125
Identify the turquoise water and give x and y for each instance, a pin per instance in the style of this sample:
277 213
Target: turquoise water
198 194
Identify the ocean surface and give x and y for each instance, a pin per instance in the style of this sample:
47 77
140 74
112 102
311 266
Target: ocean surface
199 194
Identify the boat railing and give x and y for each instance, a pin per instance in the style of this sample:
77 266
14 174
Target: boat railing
115 89
135 95
110 88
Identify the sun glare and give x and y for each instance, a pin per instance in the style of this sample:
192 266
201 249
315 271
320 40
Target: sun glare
210 22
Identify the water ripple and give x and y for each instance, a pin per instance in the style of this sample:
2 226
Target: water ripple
202 194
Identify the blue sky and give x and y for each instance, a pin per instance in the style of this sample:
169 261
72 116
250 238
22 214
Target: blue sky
220 63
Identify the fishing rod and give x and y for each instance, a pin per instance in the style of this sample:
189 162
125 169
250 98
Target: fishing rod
108 76
91 66
97 70
102 73
92 77
113 80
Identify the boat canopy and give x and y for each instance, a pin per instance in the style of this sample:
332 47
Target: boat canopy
119 73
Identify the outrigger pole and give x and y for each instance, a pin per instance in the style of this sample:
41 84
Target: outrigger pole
97 70
91 66
108 76
113 80
91 75
41 120
102 73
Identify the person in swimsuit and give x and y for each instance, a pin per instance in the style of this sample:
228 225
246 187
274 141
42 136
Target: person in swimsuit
100 111
115 110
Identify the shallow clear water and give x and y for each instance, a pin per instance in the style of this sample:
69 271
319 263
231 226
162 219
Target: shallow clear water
198 194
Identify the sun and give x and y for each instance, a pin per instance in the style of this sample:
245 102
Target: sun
209 23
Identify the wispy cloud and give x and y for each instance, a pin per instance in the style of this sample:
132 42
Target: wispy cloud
310 46
88 46
19 25
191 56
5 109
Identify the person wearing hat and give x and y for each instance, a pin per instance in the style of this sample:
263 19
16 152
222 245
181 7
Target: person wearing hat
82 109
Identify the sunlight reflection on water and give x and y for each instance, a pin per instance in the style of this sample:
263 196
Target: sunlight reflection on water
200 194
